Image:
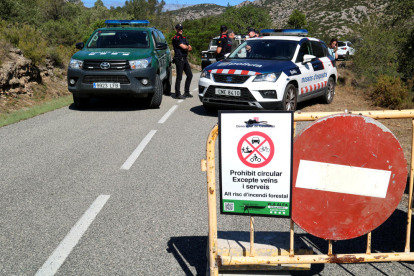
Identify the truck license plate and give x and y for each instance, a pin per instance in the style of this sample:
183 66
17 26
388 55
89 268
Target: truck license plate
106 85
228 92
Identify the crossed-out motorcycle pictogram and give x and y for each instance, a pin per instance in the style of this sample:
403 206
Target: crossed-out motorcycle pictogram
255 154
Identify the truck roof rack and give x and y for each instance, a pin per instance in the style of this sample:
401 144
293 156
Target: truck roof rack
127 23
284 32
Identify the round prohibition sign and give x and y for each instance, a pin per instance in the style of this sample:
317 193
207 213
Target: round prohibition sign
261 153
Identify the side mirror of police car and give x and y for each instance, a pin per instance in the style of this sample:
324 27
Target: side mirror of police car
80 45
161 46
308 58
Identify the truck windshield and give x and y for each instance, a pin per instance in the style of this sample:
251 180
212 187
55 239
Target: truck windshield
119 39
214 42
265 49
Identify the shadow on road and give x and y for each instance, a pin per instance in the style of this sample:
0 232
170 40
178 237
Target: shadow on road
191 251
389 237
200 110
114 104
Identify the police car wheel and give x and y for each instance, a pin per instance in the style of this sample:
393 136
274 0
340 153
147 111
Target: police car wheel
290 98
154 100
80 102
330 91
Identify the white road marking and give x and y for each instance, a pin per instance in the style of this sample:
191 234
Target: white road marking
168 114
180 101
133 157
342 179
51 266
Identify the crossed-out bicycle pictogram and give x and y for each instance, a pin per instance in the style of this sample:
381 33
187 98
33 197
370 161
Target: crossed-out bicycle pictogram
255 155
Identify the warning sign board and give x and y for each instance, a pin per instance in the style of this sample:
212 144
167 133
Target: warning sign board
349 174
256 162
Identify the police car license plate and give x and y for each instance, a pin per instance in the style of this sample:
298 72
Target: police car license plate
106 85
228 92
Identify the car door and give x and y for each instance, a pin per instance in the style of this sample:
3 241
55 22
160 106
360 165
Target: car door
306 79
320 66
161 55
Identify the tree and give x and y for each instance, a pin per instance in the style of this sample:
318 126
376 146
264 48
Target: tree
144 9
98 4
53 9
297 20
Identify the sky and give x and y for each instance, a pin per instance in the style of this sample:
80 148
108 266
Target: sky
169 3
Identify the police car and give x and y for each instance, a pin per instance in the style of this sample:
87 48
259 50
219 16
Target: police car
125 59
274 71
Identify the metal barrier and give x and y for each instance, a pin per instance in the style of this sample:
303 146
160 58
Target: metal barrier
215 261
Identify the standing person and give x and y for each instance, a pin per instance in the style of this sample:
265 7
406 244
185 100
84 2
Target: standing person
181 49
333 48
251 33
223 45
232 35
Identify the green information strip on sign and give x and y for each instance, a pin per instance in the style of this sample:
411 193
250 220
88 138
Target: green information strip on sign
256 163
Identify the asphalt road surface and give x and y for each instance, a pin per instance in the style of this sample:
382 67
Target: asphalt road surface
117 190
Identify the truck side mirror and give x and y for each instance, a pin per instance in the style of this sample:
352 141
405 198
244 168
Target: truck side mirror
80 45
161 46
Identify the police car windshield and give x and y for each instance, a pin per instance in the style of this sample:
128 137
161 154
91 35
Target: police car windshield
119 39
265 49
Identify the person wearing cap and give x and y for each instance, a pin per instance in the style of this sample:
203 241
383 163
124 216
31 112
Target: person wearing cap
223 44
251 33
257 33
181 49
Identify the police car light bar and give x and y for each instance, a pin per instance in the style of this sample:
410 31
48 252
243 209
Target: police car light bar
283 32
126 23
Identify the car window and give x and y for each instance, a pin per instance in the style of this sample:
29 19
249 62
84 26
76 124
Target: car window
156 36
305 49
325 49
119 39
162 38
265 49
341 44
317 49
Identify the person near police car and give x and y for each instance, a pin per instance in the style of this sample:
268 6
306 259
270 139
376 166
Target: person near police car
181 49
257 33
232 35
223 44
251 34
333 48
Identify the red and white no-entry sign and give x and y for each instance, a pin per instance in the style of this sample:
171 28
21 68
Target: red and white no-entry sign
349 174
255 149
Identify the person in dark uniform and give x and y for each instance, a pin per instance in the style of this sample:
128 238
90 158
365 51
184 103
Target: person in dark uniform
223 44
181 49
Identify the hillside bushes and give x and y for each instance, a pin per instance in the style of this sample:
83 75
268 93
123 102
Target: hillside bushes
29 40
390 91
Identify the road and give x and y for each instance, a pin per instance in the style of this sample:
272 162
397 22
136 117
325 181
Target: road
117 190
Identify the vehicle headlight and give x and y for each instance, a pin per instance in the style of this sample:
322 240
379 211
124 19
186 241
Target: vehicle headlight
205 74
140 63
75 63
271 77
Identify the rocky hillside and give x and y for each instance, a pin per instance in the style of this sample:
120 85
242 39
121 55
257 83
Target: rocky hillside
197 11
327 17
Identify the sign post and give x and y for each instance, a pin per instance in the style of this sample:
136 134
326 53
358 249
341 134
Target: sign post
256 163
